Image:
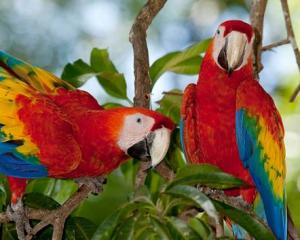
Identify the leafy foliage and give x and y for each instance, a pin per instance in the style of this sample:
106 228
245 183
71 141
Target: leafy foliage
162 217
102 68
169 105
187 61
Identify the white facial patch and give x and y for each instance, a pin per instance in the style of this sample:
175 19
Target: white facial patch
219 42
237 47
136 128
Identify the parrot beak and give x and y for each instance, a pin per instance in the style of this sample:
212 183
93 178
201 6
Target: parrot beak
232 54
153 147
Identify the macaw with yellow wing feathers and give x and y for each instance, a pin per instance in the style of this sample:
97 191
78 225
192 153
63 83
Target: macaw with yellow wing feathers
230 121
50 129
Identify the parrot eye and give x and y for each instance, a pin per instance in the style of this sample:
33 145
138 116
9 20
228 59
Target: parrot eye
218 31
138 120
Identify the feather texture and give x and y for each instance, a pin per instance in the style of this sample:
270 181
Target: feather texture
260 135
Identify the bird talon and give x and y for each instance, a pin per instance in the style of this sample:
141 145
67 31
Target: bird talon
95 184
17 214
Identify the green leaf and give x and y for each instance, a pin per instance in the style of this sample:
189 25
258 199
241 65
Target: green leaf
113 83
200 228
110 79
9 231
144 228
183 62
101 62
174 157
192 169
126 230
4 190
111 105
251 224
106 229
59 190
206 175
180 230
170 104
193 194
38 200
154 183
80 228
46 233
160 228
77 73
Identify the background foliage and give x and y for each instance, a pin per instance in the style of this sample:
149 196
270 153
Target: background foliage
51 33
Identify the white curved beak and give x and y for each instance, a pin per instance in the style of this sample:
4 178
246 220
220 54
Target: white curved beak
160 145
235 52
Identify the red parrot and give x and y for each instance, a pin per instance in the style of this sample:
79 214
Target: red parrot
228 120
50 129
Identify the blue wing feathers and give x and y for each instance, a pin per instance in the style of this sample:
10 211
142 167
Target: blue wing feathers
251 153
10 165
243 139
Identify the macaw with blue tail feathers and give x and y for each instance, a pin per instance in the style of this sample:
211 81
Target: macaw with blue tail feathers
228 120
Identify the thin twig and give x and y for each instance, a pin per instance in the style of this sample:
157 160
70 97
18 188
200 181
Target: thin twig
292 232
257 14
292 39
172 93
295 93
165 171
236 202
275 44
138 38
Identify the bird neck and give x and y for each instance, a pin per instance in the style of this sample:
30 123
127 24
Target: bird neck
98 141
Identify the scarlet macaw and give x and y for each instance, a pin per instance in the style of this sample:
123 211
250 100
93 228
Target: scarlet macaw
50 129
228 120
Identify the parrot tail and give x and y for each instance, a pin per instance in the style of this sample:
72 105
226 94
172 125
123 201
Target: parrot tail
39 79
258 207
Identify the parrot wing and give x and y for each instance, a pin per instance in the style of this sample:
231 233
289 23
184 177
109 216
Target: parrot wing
188 129
260 133
36 136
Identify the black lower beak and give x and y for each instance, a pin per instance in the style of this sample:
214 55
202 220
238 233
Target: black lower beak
141 150
223 59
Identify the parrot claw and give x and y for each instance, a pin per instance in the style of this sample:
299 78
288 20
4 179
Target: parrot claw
17 214
95 184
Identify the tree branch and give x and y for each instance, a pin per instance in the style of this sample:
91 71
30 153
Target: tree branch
292 39
173 93
56 217
275 44
257 13
138 38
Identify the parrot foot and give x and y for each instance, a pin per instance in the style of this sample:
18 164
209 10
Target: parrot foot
95 184
17 214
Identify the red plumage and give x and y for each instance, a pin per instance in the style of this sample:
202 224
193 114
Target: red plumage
210 120
60 132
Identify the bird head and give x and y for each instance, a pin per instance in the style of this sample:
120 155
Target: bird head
232 45
143 134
